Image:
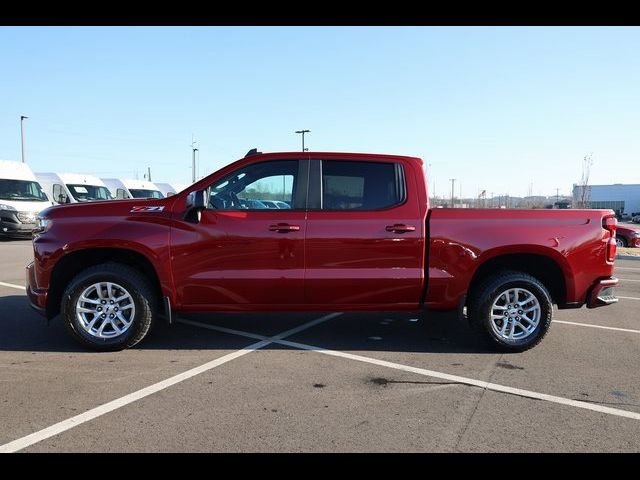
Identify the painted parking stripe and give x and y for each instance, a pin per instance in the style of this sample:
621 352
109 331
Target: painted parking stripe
597 326
440 375
469 381
629 298
89 415
629 279
627 268
12 285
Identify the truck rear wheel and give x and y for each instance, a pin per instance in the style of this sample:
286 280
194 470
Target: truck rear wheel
108 307
511 310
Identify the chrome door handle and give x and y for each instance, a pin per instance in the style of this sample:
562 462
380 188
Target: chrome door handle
284 228
400 228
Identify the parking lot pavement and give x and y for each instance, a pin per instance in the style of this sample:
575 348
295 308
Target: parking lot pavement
14 255
379 382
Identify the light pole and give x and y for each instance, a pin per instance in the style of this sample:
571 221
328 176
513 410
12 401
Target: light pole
193 164
22 117
303 132
453 182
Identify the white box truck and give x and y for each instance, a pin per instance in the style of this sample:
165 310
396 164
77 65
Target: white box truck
73 187
129 188
21 199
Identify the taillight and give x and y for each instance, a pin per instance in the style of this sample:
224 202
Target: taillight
610 223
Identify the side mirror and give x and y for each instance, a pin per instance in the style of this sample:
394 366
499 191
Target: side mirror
196 202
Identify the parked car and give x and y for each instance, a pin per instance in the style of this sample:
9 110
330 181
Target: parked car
635 217
360 235
627 236
270 203
274 204
253 204
21 199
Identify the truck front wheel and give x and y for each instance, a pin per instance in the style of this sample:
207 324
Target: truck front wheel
511 310
108 307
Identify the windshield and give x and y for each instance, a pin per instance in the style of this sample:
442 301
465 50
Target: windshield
21 190
139 193
87 193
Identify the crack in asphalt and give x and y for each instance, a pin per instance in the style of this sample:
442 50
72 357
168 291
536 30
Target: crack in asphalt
475 408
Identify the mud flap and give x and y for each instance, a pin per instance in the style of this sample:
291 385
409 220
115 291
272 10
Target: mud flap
166 313
462 309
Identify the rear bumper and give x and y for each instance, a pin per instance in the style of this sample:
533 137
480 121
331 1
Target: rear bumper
602 293
37 296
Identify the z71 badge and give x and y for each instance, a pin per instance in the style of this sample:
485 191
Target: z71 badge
147 209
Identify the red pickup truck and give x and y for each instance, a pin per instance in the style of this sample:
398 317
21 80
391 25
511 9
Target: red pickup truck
336 231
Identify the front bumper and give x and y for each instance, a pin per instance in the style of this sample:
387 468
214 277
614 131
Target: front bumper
37 296
11 226
601 293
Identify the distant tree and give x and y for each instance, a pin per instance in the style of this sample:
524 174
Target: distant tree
584 198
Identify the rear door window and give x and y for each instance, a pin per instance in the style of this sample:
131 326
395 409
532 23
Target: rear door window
349 185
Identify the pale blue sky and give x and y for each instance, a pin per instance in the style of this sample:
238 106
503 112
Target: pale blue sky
497 108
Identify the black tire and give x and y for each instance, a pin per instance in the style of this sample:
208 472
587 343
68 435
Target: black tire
482 298
143 296
621 242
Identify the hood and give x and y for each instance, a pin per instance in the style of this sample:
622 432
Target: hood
627 228
108 208
34 206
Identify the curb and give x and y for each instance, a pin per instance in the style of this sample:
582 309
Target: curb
627 257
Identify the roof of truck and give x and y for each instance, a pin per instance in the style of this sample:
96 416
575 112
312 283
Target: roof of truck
71 178
130 183
12 170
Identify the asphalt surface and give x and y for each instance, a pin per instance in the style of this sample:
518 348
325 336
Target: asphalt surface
375 382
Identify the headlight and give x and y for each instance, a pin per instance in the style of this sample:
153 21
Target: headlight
636 234
6 207
27 217
42 225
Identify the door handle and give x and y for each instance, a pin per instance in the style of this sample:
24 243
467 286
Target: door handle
284 228
400 228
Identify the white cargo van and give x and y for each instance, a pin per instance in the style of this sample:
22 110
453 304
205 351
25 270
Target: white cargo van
169 189
129 188
73 187
21 199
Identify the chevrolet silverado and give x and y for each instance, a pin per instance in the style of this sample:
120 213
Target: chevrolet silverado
359 235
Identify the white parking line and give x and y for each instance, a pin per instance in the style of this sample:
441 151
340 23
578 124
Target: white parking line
627 268
629 279
629 298
597 326
12 285
444 376
72 422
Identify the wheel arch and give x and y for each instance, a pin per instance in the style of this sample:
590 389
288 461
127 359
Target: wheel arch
72 263
548 269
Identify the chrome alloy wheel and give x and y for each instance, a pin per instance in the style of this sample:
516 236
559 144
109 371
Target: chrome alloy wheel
105 310
515 314
619 242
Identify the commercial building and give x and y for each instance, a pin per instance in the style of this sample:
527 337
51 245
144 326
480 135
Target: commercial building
623 198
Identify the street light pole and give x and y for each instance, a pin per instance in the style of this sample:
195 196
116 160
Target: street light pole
22 117
193 164
303 132
453 182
